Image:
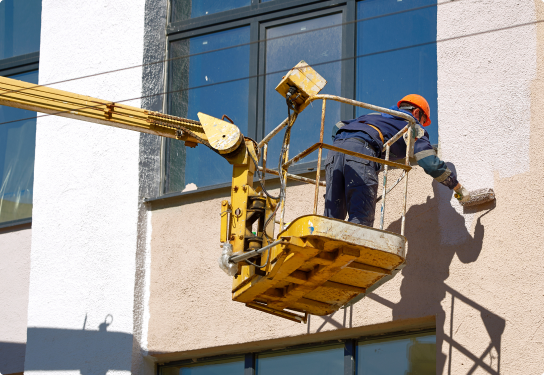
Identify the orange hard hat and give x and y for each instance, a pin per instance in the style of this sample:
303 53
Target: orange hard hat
420 102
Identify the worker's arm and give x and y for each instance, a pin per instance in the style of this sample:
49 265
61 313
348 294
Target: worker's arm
432 165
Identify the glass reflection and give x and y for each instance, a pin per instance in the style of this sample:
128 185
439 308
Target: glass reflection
398 54
226 367
185 9
321 49
20 23
17 146
323 360
415 355
197 86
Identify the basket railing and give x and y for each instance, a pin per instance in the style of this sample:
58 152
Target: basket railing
319 146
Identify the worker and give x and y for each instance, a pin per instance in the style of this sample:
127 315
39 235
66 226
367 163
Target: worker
352 182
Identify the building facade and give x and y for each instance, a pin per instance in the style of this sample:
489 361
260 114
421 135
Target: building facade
109 239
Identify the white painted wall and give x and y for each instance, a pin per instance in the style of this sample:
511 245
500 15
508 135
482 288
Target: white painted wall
486 52
84 238
14 279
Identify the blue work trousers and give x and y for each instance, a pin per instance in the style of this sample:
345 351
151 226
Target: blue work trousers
352 183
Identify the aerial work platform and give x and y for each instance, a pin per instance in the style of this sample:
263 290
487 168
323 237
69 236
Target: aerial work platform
321 265
315 265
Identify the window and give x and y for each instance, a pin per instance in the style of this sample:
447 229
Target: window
317 41
409 355
232 366
20 23
185 9
396 53
400 354
323 360
218 84
228 57
17 145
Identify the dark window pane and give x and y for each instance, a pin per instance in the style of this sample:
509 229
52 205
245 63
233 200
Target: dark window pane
20 22
322 50
197 81
229 367
185 9
415 355
398 54
323 360
17 145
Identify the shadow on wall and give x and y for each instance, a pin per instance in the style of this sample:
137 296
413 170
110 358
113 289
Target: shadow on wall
90 352
436 232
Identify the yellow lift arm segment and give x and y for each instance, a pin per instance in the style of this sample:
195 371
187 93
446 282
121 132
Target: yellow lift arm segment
24 95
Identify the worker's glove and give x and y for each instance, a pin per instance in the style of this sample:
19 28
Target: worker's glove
462 194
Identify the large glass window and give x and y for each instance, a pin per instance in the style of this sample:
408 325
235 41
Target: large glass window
410 355
185 9
229 58
20 23
287 45
213 80
396 49
311 361
17 144
401 354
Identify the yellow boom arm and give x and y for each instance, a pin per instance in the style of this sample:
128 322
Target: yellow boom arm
24 95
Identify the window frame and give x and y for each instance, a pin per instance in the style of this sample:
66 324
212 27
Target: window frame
259 16
350 351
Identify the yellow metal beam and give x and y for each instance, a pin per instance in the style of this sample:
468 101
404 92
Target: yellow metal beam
24 95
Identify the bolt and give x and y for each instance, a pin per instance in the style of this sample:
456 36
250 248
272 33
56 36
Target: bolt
224 203
241 237
244 187
232 237
235 189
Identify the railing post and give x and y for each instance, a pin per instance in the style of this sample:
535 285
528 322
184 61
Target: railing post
265 154
318 173
384 194
409 151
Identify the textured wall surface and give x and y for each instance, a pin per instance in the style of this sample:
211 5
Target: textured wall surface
85 216
14 278
475 272
149 174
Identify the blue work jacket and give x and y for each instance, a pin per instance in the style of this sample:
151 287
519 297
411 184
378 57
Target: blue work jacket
424 152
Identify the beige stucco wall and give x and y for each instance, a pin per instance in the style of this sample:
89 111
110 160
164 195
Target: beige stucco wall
475 274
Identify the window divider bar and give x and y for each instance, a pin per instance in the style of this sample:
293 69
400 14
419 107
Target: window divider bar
350 348
249 365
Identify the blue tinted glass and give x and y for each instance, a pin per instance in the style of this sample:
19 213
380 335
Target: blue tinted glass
185 9
414 355
314 361
398 54
229 367
322 50
202 74
20 22
17 145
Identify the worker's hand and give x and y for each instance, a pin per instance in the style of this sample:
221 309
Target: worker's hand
461 193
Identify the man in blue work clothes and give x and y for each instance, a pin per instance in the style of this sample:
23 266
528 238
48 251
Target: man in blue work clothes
352 182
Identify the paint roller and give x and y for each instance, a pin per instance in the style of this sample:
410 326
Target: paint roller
477 197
